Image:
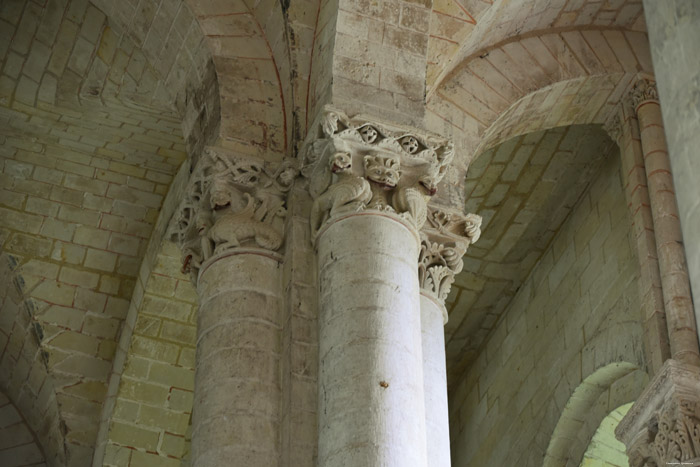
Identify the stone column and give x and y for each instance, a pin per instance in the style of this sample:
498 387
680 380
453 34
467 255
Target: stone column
669 240
624 130
674 32
230 226
237 377
446 238
371 376
365 224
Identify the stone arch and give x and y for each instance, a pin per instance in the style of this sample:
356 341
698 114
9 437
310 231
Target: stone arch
152 401
25 385
462 28
600 393
97 54
159 269
248 42
577 77
604 446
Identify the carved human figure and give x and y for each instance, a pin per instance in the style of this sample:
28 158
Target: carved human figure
349 192
412 200
383 174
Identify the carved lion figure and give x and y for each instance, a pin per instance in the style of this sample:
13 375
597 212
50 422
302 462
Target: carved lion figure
349 191
413 199
232 227
383 173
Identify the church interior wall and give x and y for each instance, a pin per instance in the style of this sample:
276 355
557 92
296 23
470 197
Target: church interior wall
106 107
576 312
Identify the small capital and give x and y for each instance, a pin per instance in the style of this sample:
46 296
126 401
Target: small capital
445 238
644 90
614 128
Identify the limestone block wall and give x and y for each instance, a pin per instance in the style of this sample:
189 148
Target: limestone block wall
153 403
577 312
60 51
80 192
18 447
23 374
379 61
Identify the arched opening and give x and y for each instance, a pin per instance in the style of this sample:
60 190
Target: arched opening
604 449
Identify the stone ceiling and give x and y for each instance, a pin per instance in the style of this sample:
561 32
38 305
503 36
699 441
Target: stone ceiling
524 189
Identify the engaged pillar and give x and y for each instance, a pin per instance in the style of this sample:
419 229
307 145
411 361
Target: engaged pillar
675 284
663 425
230 226
445 240
371 184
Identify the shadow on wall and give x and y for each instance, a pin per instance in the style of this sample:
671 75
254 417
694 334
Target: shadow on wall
29 415
18 443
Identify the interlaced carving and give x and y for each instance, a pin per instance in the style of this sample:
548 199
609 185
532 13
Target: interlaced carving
229 203
403 168
676 434
663 426
644 90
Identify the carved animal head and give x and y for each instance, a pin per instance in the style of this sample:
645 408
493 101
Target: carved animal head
341 162
429 181
383 171
219 195
287 176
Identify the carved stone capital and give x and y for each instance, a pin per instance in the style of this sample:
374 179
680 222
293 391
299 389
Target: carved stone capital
359 163
445 238
663 426
614 128
644 90
231 202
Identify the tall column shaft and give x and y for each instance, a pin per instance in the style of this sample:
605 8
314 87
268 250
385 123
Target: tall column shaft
371 369
669 241
437 423
656 342
235 418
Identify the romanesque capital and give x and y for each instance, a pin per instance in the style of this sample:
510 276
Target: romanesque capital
644 90
354 164
613 127
444 240
231 202
663 426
